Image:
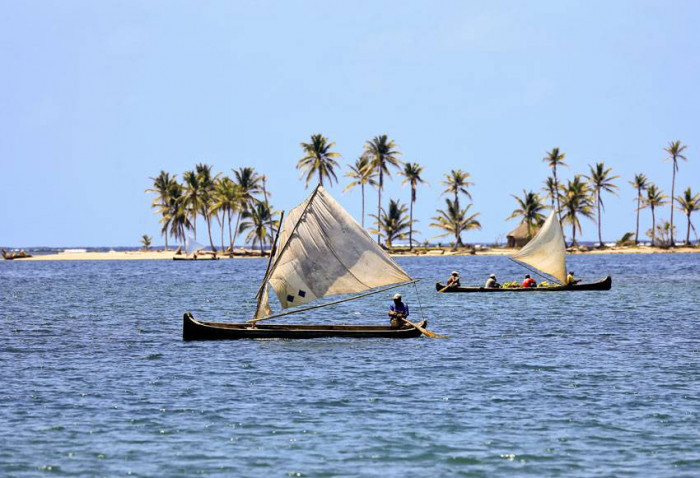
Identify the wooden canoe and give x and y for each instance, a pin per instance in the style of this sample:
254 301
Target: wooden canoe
10 256
603 284
205 257
193 329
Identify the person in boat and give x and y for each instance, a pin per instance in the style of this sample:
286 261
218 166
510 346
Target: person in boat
529 281
397 311
453 281
570 280
491 283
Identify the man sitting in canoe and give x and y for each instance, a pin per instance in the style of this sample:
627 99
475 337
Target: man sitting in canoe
529 281
397 311
453 281
491 283
570 279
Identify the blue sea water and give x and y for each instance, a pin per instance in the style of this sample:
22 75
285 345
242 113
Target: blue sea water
96 380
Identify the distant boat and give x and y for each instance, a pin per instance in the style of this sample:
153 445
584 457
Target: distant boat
322 252
546 252
74 251
194 251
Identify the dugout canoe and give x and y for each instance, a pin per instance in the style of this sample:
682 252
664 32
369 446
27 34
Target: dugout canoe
205 257
192 329
603 284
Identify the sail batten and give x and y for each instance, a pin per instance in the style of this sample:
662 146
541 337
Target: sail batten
324 252
546 251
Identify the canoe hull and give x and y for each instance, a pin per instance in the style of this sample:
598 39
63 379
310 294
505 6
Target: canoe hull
604 284
201 258
193 329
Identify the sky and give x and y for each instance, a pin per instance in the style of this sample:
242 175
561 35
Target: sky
96 98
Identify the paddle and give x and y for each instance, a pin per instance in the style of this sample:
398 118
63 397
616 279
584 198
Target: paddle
425 331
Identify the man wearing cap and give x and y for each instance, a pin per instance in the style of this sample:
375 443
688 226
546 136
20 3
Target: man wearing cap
491 282
397 311
453 281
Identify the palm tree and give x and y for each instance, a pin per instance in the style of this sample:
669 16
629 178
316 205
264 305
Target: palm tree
393 223
601 181
655 198
688 203
259 219
207 183
178 213
555 158
576 198
530 207
551 191
362 174
640 184
163 185
457 183
146 240
226 201
412 172
249 183
455 221
675 150
318 160
381 153
193 201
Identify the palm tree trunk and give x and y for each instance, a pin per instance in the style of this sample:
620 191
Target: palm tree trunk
687 234
673 189
379 205
363 205
166 239
636 232
600 236
653 227
230 237
410 230
194 224
222 223
235 230
211 241
556 192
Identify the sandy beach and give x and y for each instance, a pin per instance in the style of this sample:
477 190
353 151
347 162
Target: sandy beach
419 252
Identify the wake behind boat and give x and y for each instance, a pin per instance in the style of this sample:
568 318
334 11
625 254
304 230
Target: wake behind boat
546 253
322 252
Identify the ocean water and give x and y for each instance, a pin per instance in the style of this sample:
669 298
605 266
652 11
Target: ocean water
96 380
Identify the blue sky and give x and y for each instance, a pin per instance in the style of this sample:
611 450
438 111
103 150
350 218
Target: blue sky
96 97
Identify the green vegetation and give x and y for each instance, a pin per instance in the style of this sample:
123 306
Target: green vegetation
530 211
203 194
412 172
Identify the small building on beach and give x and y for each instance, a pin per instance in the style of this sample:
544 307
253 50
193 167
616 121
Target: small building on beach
519 236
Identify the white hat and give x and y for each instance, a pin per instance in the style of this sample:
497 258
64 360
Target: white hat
493 276
455 273
397 296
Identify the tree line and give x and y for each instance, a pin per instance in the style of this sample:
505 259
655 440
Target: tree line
582 197
242 199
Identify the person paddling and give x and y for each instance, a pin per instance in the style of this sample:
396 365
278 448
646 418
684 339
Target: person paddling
570 280
397 311
529 281
491 282
453 281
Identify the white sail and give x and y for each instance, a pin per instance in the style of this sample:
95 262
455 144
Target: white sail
547 250
322 252
192 246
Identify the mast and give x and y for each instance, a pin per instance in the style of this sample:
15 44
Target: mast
259 295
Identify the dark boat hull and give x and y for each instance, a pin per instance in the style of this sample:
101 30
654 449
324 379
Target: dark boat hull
202 258
604 284
193 329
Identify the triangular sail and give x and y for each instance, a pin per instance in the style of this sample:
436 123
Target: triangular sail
191 245
322 252
547 250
